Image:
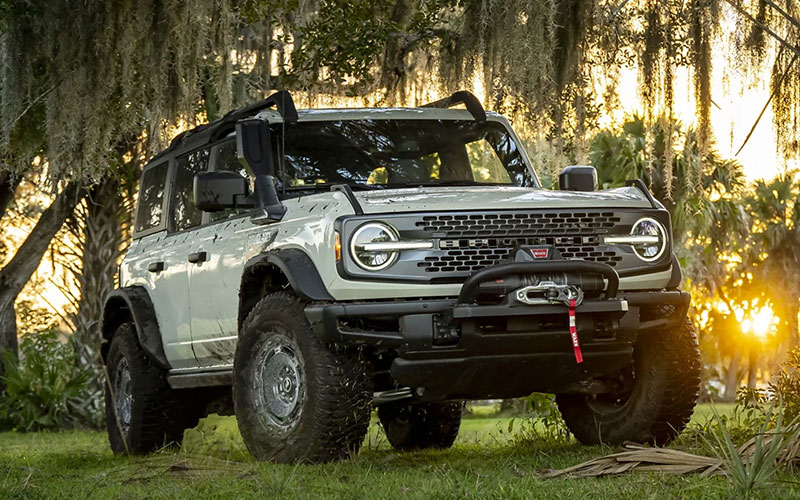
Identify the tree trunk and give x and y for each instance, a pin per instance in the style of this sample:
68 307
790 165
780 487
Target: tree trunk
8 187
392 71
794 335
100 246
751 368
732 377
18 271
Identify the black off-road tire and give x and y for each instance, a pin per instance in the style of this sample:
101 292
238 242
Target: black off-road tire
158 414
319 410
665 390
420 426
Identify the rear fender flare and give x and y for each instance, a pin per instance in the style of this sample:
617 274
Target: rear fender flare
133 303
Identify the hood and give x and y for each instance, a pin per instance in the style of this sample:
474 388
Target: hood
457 198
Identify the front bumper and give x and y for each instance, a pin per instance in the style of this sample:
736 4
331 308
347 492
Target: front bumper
459 349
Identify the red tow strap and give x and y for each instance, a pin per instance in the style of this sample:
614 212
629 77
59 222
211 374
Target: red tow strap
573 333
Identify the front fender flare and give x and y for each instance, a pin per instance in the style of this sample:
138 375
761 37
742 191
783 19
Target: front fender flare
132 303
298 268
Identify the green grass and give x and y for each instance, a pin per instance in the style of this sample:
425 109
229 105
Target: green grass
487 462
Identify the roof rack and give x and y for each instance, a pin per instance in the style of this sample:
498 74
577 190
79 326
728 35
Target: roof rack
282 101
461 97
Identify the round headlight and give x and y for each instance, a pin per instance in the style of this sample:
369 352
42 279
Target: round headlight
649 227
371 259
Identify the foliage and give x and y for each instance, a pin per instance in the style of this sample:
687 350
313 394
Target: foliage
46 389
752 467
787 385
542 421
33 319
785 389
216 436
773 250
685 181
129 73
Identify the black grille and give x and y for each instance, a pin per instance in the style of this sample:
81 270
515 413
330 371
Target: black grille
471 242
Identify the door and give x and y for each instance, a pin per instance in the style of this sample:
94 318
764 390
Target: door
178 255
155 262
214 283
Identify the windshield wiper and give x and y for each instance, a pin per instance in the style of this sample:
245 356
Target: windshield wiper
442 184
328 186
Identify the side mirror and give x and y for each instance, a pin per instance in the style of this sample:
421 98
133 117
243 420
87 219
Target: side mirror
578 178
217 191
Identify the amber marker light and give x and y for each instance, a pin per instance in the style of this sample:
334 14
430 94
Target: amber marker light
338 247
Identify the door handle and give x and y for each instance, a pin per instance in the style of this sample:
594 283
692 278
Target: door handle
198 257
155 267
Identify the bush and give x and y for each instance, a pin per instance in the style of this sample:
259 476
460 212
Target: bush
754 403
45 389
787 386
543 421
216 436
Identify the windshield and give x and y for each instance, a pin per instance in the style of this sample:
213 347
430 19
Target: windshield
398 153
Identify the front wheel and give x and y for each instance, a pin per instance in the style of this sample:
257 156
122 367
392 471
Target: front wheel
657 405
296 399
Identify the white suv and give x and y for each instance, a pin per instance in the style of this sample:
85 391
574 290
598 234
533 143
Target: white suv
323 262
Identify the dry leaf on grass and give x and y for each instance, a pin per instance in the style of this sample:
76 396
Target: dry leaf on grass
641 458
669 461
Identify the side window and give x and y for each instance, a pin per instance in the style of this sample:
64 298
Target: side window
151 197
184 214
227 159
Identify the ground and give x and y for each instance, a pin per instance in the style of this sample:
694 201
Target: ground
488 461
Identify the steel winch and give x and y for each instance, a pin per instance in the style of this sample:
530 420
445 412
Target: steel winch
545 288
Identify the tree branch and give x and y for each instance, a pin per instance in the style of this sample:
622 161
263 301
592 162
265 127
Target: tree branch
764 109
763 27
785 14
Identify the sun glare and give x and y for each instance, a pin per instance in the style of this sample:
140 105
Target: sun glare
759 322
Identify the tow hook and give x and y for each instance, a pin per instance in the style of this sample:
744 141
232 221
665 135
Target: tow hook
548 292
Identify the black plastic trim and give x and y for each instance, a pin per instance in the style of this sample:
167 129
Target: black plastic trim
133 303
351 197
677 274
326 319
641 186
298 268
677 298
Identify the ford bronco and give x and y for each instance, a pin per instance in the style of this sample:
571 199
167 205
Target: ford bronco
321 263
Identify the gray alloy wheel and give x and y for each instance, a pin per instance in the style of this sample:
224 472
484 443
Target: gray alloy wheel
281 384
123 394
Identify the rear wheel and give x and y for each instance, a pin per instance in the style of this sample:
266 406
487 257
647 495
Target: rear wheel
658 402
419 426
143 413
296 399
